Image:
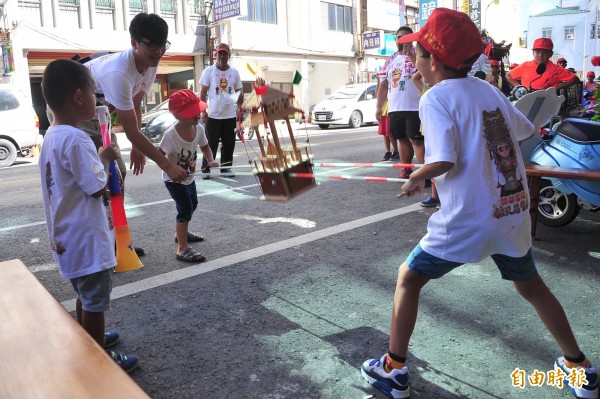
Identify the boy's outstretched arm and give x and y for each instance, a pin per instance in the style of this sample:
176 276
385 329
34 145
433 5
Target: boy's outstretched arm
416 182
209 156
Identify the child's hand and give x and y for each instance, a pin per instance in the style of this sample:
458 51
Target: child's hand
213 164
411 188
109 153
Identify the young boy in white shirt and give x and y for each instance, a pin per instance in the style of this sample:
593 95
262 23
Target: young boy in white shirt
471 149
180 144
74 177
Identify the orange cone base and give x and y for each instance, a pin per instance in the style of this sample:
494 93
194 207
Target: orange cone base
127 259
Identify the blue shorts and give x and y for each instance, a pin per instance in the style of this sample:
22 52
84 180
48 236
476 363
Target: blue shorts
432 267
94 290
186 199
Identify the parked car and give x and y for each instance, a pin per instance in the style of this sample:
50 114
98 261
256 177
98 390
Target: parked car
19 125
351 105
156 121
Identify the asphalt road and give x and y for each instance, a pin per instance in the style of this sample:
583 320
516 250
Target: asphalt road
295 296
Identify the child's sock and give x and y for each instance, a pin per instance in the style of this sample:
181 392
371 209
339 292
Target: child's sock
393 361
580 361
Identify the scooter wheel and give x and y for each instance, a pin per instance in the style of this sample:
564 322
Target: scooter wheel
556 209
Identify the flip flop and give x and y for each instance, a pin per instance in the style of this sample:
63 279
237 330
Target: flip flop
191 237
190 255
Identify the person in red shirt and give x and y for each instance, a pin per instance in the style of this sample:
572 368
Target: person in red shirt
529 72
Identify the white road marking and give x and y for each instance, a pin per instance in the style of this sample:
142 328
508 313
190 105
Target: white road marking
192 271
302 223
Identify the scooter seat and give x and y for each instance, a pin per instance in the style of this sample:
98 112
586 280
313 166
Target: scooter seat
580 130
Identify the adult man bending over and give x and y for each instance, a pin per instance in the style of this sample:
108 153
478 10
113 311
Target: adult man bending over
123 79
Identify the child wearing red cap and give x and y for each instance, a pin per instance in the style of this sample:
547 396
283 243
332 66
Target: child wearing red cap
553 75
472 151
180 144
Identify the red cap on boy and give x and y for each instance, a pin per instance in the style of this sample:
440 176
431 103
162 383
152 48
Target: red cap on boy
495 63
543 43
185 104
451 36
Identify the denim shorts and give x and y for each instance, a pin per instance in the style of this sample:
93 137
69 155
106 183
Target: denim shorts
432 267
186 199
94 290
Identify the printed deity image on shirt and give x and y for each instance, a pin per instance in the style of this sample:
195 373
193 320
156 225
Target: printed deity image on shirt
509 181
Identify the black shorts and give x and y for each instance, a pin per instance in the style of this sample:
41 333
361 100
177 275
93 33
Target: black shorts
405 124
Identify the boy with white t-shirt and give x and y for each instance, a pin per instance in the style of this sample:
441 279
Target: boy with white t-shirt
74 181
180 144
471 133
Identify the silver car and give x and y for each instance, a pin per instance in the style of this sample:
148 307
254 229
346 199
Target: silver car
19 125
351 105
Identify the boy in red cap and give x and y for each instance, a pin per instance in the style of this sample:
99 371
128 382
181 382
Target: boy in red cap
180 144
471 149
552 76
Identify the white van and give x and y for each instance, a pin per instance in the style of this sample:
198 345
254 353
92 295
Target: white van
351 105
19 125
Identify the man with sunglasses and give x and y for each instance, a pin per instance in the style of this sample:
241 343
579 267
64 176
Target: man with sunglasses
123 79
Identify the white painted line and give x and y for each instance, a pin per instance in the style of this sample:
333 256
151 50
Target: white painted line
178 275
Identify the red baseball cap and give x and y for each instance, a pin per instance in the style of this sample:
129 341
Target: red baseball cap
185 104
543 43
591 73
495 63
223 47
561 59
450 36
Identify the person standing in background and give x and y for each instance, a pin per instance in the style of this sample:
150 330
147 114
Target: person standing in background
221 88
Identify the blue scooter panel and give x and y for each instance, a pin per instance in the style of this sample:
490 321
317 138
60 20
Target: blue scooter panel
575 144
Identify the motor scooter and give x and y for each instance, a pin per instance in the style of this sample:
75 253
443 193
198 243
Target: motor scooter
570 143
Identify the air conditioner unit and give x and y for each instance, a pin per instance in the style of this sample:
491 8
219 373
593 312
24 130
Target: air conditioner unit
570 36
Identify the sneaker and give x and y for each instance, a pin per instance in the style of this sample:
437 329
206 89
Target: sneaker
387 156
394 384
111 339
128 363
227 173
589 391
405 174
395 156
430 203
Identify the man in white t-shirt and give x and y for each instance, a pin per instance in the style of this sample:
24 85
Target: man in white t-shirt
123 80
397 87
221 88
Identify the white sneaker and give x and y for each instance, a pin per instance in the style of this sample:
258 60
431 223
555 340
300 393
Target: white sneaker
394 384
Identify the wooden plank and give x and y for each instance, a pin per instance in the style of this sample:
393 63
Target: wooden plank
45 352
562 173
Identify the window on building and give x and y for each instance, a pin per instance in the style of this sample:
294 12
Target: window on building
68 3
168 7
137 6
594 31
547 33
337 17
30 10
194 7
263 11
569 33
105 4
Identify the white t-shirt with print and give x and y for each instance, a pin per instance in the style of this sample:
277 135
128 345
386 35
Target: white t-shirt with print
402 95
118 78
484 197
222 86
80 231
183 153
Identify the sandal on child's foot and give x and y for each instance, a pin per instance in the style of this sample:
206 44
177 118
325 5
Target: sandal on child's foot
190 255
191 237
